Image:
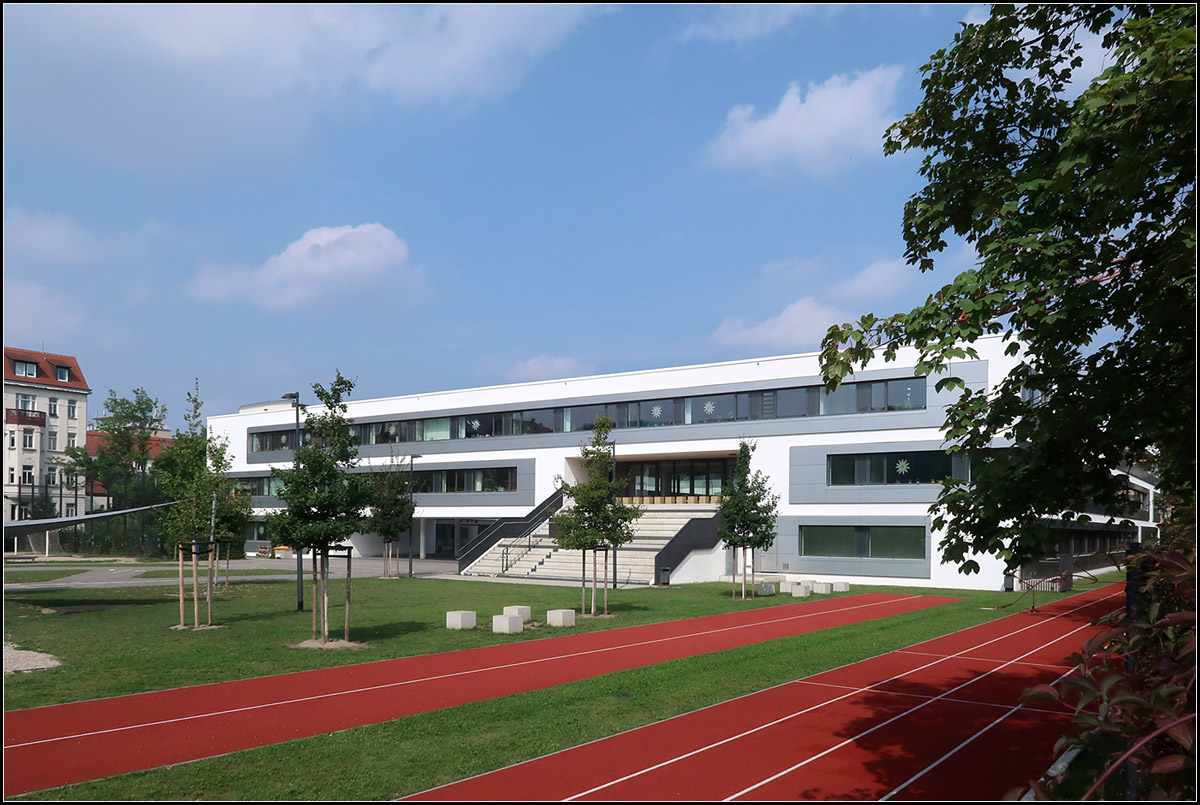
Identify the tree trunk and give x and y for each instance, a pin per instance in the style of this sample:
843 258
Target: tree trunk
316 609
346 634
325 596
593 582
605 577
743 561
753 588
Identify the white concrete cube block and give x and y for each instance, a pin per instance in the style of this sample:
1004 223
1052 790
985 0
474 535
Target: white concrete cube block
460 619
507 624
524 612
822 587
766 589
801 591
560 617
841 586
786 586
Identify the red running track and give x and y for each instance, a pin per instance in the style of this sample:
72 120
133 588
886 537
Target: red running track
941 720
46 747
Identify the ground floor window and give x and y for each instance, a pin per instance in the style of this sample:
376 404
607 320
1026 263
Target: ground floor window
875 542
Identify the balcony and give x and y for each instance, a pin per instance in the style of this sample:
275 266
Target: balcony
20 416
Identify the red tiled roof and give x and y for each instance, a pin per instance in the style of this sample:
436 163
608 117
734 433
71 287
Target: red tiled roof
157 443
47 365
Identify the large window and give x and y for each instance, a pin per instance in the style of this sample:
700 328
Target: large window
911 467
25 369
807 401
874 542
26 402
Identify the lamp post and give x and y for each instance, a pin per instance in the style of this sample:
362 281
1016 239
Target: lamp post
294 396
412 519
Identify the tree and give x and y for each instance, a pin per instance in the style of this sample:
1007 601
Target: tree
391 506
596 521
121 464
1081 208
749 512
191 470
325 503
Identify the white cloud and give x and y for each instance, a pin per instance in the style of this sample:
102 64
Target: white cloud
801 325
174 86
832 123
47 238
53 238
34 313
744 22
790 268
545 367
880 280
327 260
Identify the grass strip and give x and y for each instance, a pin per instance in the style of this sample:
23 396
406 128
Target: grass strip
32 576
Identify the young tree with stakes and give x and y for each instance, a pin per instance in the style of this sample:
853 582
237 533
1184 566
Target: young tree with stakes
1078 196
391 506
749 512
192 471
596 521
325 502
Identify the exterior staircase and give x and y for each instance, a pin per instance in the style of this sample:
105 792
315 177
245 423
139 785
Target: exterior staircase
537 556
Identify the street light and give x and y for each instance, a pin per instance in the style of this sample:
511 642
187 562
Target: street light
295 398
411 522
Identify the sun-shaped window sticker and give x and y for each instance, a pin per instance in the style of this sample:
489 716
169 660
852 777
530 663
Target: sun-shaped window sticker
656 411
902 467
474 423
709 408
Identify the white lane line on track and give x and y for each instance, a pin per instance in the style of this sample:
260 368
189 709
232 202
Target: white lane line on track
926 703
939 761
931 696
772 723
1050 665
453 674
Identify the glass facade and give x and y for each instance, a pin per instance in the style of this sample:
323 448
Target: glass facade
806 401
911 467
874 542
680 478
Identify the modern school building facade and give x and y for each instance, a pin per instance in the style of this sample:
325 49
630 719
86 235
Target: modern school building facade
856 470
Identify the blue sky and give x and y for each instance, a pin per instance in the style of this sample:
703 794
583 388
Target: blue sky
430 198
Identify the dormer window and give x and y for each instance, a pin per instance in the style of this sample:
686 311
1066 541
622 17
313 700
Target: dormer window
62 373
25 369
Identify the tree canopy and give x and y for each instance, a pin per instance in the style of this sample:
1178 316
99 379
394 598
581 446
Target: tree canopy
192 471
1079 200
749 510
324 502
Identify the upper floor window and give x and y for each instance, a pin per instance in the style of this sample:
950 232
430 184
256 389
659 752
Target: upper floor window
27 474
27 438
912 467
62 373
25 369
71 406
52 440
26 402
53 406
71 439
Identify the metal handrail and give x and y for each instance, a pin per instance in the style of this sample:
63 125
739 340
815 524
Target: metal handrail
504 527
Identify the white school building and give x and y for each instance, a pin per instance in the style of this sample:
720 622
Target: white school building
856 470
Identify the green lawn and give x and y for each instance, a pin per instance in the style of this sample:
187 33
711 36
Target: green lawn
29 576
132 649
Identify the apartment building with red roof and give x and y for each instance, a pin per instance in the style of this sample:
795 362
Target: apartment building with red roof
45 412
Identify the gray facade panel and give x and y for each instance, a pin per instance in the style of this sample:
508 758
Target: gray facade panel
784 556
